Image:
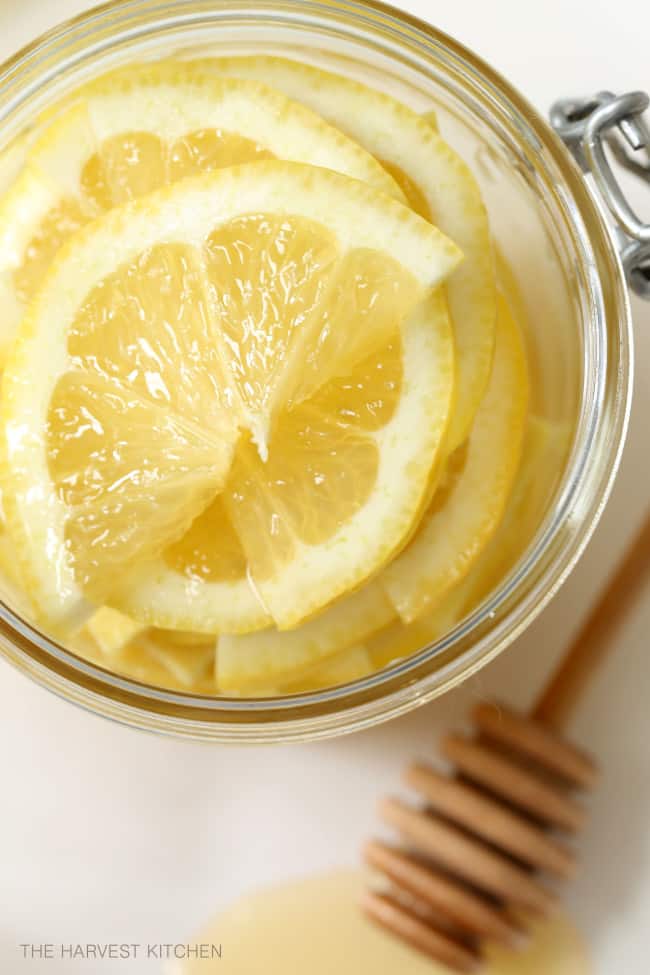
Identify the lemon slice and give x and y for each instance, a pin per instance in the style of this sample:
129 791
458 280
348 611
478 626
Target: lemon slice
431 119
168 378
190 667
348 665
343 668
12 160
268 658
175 660
399 640
136 130
544 449
437 184
172 668
12 585
112 630
326 475
468 506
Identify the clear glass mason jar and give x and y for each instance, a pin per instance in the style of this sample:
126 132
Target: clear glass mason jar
561 260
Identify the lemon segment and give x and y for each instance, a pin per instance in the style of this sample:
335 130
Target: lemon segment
436 182
465 513
271 657
136 424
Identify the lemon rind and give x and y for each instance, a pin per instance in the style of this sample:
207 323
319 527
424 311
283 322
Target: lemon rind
271 656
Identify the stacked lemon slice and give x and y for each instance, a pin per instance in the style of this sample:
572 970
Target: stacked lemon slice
252 412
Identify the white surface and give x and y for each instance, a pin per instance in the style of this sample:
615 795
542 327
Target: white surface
107 835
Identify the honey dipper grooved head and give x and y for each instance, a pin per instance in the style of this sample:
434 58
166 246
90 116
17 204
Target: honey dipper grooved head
473 853
525 787
530 739
464 909
391 914
490 820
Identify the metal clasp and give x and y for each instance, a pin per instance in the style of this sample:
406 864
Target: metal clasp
586 126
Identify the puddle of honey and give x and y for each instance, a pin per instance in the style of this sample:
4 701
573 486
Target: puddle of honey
315 926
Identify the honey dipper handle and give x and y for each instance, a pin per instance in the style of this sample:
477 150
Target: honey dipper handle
597 636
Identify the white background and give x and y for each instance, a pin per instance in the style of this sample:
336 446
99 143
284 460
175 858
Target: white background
109 835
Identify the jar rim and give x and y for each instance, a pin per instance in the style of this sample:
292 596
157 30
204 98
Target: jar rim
417 678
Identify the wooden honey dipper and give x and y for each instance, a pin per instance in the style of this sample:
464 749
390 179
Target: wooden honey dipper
470 864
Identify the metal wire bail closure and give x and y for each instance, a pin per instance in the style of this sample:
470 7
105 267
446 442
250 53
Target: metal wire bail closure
585 126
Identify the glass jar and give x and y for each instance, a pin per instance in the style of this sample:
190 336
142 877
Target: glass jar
554 249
